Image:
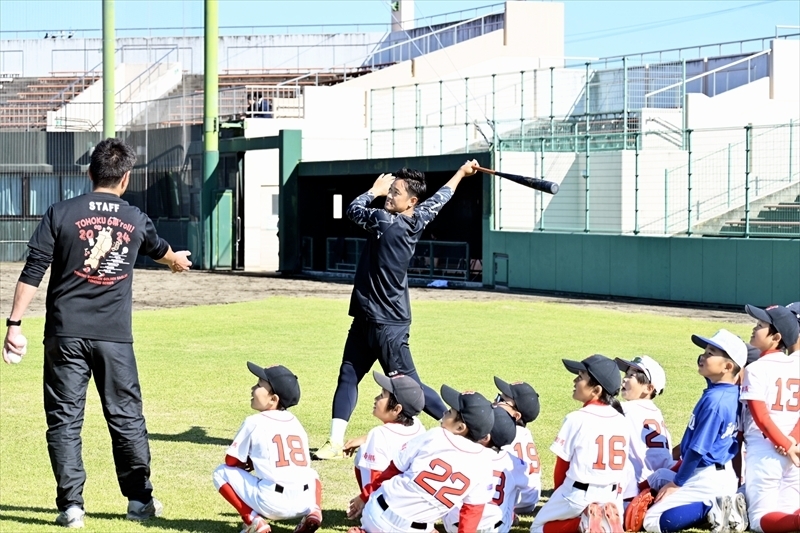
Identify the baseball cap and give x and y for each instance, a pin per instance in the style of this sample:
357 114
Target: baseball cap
282 381
728 343
753 354
407 391
504 430
601 368
648 365
526 399
782 319
794 308
475 410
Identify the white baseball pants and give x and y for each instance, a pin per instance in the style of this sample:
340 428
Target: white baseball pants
376 519
773 484
263 496
569 501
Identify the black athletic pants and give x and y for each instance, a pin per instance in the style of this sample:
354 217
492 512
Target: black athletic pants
68 365
366 343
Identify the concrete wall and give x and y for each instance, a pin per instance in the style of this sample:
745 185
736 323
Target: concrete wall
676 269
41 57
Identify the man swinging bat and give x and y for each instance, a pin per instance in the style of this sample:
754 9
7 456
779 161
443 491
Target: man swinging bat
379 303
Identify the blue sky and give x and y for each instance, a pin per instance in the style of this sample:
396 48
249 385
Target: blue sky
593 28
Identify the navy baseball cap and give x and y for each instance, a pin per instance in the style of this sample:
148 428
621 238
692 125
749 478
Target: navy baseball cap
475 410
782 319
601 368
794 308
504 430
407 391
526 399
753 354
282 381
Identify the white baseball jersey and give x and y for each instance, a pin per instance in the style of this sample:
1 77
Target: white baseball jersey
440 471
382 446
277 444
775 380
650 442
524 448
510 476
594 439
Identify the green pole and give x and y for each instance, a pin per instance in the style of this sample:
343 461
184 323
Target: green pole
541 195
625 104
210 125
689 183
636 184
666 201
791 173
748 140
109 126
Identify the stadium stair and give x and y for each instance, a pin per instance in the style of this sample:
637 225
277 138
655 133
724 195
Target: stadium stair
26 109
776 214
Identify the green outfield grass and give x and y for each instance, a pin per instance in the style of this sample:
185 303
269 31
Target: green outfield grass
197 390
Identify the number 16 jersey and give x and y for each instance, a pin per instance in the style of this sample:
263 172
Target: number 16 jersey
277 444
440 470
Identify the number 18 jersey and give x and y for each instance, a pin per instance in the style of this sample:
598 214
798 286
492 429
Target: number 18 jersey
440 470
277 444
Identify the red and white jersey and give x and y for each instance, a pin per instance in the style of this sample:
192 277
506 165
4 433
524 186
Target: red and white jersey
594 439
440 471
510 475
650 443
382 446
775 380
277 444
524 448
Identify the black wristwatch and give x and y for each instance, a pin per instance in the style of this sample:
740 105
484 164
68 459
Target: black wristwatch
10 322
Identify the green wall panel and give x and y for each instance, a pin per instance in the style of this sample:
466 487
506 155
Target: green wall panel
595 279
569 263
722 271
785 272
686 269
543 257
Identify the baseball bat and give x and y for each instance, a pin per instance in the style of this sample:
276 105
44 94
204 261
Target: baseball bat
534 183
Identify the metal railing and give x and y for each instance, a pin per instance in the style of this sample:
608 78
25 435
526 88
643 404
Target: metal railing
725 181
432 259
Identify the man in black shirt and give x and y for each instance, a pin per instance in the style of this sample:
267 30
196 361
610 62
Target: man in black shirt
92 242
379 304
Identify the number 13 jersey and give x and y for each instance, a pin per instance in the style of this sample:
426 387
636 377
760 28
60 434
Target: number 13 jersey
440 470
277 444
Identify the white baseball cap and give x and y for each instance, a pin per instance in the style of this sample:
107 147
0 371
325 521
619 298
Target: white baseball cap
728 343
648 365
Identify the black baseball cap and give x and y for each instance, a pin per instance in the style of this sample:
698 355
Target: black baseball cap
475 410
282 381
779 317
407 391
504 430
601 368
795 308
526 399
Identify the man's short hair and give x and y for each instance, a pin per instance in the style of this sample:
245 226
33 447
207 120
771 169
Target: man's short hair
111 159
415 180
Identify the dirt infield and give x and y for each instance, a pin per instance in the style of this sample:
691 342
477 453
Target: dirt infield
157 289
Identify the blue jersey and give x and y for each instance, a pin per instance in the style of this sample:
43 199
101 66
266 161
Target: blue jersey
712 428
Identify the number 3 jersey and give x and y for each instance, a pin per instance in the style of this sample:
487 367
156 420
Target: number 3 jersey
440 470
277 445
594 439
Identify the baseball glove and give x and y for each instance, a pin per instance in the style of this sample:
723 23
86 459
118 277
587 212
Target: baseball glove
634 514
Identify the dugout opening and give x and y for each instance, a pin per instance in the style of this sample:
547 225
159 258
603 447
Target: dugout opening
451 247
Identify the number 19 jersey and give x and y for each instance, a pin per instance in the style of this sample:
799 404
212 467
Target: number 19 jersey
277 444
440 470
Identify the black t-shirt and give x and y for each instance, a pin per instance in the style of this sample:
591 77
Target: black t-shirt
380 291
91 242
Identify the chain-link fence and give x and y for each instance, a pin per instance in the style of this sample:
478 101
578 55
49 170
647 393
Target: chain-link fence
725 181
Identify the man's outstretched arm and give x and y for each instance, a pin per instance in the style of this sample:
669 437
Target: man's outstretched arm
427 210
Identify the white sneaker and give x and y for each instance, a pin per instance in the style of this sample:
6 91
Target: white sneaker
72 517
719 513
737 519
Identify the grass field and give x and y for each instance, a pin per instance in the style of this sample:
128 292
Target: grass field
197 390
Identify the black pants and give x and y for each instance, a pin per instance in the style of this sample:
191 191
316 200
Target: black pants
366 343
68 365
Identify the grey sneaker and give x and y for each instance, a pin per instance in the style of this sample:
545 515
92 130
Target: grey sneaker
143 511
719 513
737 519
71 517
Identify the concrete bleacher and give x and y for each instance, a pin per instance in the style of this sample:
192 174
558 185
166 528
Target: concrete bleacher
781 219
26 108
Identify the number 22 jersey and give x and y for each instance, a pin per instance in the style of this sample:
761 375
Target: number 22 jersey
440 470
